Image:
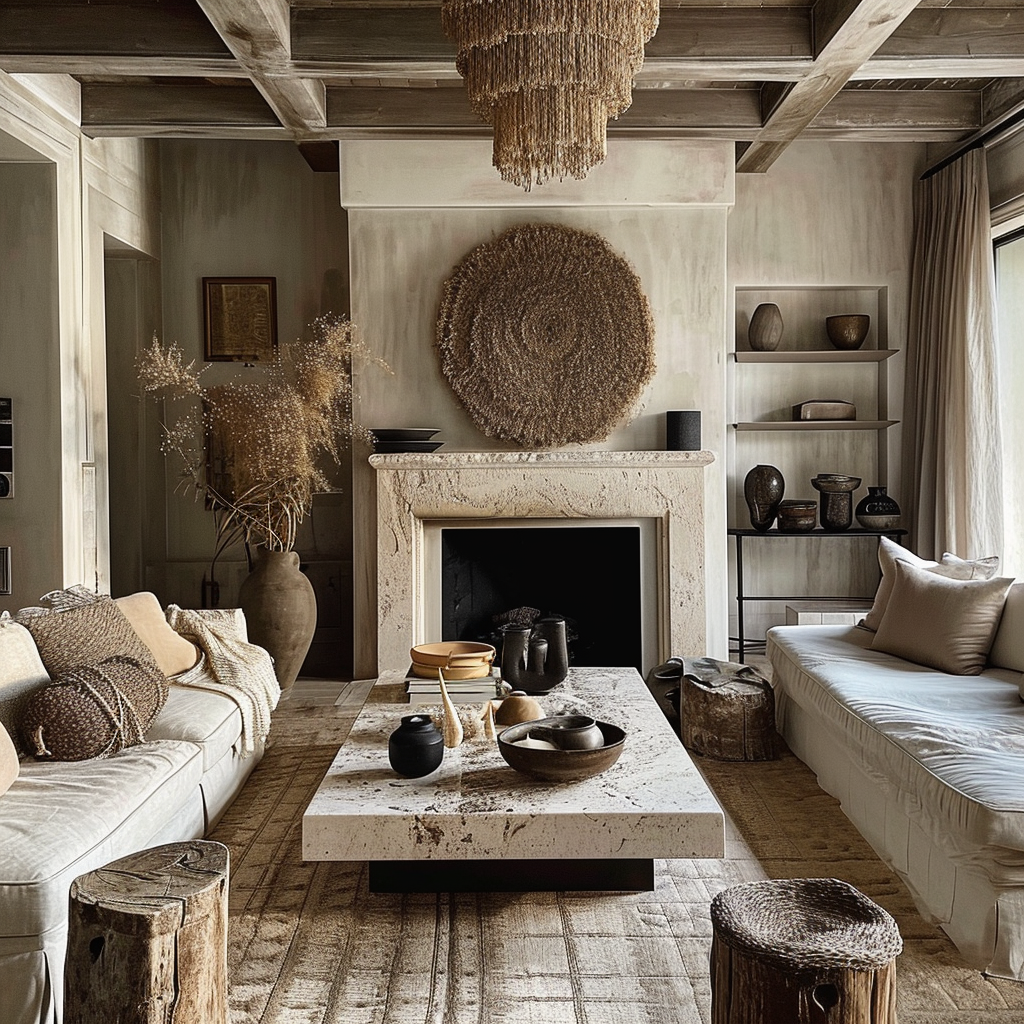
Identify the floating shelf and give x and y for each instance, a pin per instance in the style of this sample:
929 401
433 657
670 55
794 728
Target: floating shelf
816 425
869 355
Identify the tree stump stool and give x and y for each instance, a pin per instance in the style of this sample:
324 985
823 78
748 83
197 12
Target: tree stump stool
147 939
803 951
727 711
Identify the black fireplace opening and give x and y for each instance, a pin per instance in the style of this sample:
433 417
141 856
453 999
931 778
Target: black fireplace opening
591 575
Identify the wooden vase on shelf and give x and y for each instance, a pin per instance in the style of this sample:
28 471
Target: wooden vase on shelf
765 330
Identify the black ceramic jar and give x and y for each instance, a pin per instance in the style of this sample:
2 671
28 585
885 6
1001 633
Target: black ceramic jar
416 747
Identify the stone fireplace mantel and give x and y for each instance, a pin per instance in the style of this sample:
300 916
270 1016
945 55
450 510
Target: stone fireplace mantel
414 489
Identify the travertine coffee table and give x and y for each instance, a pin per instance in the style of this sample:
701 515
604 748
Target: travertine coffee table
477 825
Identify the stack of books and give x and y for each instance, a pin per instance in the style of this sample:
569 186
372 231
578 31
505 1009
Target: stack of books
461 691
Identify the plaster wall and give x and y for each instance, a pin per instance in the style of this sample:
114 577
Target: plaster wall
665 213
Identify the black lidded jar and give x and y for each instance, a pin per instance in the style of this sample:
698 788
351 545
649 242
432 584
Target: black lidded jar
416 747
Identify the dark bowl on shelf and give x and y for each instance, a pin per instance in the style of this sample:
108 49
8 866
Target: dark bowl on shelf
848 330
796 516
559 765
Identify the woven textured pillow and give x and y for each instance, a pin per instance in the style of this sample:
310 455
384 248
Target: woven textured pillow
84 635
93 710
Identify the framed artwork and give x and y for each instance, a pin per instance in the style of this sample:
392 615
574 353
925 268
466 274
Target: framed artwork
240 315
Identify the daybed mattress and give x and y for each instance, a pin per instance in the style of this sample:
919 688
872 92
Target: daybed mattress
950 749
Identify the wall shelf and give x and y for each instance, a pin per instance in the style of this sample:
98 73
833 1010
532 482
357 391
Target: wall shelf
815 425
860 355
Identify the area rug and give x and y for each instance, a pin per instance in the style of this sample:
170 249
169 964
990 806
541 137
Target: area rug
309 943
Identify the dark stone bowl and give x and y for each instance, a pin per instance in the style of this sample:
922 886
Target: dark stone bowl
560 765
848 330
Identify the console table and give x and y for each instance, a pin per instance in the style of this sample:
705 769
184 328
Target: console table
739 534
476 824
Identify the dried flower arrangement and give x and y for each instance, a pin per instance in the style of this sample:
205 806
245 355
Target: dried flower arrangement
272 430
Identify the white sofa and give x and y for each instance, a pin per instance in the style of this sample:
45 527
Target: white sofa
929 766
59 820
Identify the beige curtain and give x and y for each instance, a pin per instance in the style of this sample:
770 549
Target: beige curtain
952 456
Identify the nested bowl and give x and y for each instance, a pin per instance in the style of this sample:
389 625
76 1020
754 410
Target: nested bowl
458 659
559 765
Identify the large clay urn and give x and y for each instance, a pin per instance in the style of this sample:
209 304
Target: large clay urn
280 611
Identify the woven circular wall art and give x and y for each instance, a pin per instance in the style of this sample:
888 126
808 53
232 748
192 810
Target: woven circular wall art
545 336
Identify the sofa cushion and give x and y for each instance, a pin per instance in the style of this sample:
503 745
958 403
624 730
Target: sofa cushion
211 720
946 624
173 653
8 761
952 753
21 672
93 710
1008 645
60 820
952 566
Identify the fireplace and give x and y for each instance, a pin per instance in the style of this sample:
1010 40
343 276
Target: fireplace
600 575
420 495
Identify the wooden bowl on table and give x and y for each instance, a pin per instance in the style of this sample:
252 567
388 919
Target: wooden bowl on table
458 659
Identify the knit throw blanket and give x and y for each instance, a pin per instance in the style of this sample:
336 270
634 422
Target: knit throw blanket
240 670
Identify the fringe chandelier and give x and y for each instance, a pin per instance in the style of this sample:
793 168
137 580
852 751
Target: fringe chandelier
548 74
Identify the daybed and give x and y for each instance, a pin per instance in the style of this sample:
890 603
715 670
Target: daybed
928 764
60 819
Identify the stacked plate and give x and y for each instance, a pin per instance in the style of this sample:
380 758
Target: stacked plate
404 439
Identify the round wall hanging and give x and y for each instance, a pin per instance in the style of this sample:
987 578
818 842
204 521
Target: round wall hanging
545 336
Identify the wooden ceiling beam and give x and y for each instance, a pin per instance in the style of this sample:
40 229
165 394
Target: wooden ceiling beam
257 32
850 31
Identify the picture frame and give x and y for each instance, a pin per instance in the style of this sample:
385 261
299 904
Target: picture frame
240 319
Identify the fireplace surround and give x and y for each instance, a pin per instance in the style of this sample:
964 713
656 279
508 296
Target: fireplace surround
415 490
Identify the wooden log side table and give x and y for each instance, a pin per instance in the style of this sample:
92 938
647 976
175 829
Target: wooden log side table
147 939
802 951
727 711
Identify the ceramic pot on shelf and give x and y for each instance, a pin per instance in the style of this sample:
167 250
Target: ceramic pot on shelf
763 488
835 511
280 611
878 511
765 330
415 748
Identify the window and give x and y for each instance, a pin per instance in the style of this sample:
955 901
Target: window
1009 261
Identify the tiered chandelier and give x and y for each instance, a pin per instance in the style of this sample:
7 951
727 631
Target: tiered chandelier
548 74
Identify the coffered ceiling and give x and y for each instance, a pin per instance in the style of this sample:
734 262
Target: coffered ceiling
760 72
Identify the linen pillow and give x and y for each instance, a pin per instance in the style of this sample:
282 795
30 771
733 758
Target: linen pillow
952 566
9 766
173 653
940 622
1008 646
94 710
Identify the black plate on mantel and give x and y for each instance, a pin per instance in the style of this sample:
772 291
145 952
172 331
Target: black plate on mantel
391 447
404 433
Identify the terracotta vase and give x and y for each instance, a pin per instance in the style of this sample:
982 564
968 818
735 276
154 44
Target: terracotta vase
280 611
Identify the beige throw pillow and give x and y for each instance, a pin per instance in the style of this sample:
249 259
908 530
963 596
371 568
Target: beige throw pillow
1008 646
173 653
952 566
9 766
943 623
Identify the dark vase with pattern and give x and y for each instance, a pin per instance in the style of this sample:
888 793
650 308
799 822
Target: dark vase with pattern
763 488
416 747
878 511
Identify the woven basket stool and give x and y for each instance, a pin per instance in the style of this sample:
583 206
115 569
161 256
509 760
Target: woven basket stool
802 951
148 940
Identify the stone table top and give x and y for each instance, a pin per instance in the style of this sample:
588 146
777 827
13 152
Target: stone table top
652 803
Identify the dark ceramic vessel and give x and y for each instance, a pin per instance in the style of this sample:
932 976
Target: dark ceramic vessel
796 515
763 488
416 747
836 510
878 511
765 330
535 659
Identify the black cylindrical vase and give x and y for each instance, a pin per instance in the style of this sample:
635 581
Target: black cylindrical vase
682 430
416 747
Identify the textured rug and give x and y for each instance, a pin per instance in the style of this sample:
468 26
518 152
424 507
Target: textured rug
309 943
